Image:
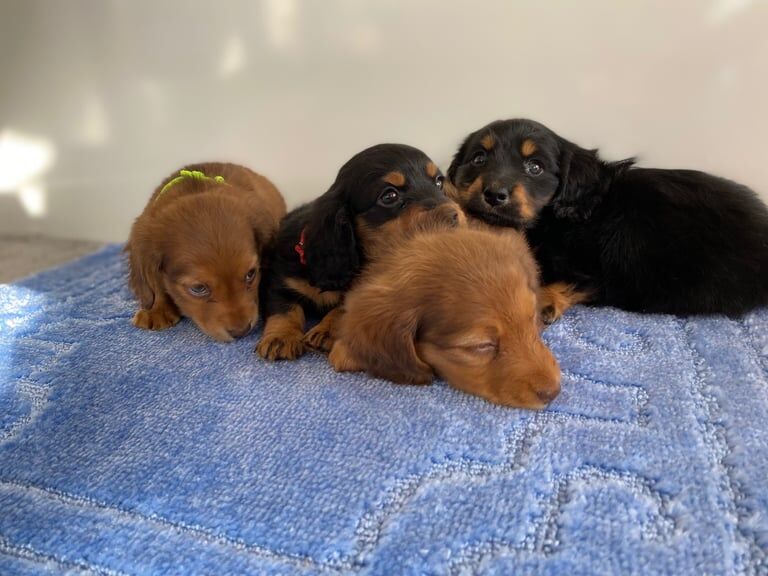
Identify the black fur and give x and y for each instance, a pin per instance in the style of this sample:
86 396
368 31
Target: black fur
332 250
649 240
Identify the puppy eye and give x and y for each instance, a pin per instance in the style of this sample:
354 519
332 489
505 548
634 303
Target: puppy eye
479 159
389 197
250 275
488 347
533 167
199 290
439 182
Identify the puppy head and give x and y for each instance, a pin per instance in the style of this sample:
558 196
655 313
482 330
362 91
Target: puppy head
507 171
461 304
203 252
481 331
380 192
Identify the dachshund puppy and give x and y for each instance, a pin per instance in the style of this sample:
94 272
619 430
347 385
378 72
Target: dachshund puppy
460 304
647 240
378 194
195 250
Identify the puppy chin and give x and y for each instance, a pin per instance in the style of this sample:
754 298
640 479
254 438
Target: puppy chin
219 335
496 217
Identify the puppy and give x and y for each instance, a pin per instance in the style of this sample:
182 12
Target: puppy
378 194
646 240
195 250
460 304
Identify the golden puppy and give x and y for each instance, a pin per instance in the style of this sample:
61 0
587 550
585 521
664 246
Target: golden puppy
195 250
460 304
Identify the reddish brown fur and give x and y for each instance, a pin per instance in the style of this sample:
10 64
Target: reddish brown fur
283 336
413 220
556 298
432 169
488 142
203 232
461 304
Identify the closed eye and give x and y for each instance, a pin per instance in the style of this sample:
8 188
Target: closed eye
199 290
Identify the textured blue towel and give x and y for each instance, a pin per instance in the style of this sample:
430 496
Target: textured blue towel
125 451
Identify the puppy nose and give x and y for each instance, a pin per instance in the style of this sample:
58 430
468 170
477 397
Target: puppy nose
239 332
546 395
496 197
546 385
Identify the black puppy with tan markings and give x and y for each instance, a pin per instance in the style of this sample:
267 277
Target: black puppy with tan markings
379 194
647 240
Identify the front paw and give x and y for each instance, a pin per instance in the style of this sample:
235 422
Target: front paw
156 318
341 360
319 338
281 346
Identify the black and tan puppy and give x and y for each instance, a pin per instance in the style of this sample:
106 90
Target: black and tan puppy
378 194
196 249
648 240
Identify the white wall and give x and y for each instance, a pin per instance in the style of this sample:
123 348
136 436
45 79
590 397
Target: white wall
99 99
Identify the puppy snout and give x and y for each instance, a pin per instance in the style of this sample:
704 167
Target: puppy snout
496 197
239 331
546 383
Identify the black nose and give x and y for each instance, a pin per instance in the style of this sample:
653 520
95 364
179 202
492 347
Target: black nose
496 197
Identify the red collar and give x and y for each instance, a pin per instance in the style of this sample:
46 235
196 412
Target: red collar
299 247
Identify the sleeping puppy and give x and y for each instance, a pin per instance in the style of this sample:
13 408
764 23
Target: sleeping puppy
378 194
646 240
195 250
460 304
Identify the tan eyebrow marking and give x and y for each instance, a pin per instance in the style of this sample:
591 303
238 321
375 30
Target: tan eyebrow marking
395 178
431 169
488 141
528 147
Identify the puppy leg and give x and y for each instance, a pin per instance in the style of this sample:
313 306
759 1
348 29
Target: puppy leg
556 298
283 335
162 315
341 360
322 336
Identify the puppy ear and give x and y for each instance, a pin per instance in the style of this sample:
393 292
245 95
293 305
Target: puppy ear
458 157
579 189
264 230
384 340
330 246
145 262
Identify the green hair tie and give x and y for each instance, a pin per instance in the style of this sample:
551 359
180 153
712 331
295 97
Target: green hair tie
192 174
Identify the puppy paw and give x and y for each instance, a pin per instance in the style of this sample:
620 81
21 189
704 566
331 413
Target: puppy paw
319 338
281 347
549 314
556 298
156 318
341 360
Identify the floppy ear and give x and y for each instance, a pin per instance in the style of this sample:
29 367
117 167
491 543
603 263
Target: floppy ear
145 261
330 246
579 189
458 157
264 230
383 340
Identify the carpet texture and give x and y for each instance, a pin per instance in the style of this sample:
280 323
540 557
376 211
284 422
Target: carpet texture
131 452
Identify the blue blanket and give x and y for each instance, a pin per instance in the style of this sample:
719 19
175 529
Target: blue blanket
132 452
